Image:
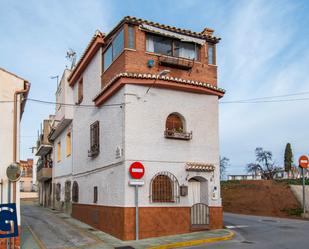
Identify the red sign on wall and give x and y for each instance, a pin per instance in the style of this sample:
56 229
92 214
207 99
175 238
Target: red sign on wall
137 170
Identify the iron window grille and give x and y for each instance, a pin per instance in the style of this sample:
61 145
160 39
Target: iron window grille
94 139
164 187
58 191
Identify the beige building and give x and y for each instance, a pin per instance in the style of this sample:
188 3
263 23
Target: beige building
13 94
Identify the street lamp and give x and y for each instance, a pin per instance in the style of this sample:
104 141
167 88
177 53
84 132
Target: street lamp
159 75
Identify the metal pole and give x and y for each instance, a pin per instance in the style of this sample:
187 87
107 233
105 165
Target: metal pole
136 212
8 245
304 196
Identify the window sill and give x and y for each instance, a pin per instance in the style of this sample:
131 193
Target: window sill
178 135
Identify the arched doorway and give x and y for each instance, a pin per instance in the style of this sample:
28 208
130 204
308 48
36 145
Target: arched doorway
198 198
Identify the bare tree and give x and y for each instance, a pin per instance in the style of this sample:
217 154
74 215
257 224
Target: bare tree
264 164
224 163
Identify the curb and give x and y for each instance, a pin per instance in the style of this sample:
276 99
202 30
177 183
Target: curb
194 242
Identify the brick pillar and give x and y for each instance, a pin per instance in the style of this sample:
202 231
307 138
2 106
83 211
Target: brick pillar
215 217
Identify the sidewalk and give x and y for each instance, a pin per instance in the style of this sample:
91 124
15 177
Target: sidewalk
174 241
98 239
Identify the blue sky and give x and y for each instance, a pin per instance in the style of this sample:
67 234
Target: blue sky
263 52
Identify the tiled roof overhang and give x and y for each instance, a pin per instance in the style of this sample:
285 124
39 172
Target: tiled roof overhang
163 82
139 21
94 45
199 167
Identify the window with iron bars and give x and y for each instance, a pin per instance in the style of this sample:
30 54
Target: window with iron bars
164 187
94 139
75 192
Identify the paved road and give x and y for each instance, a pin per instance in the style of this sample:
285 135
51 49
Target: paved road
50 230
256 232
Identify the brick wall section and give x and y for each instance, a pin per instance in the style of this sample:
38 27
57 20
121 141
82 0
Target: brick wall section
154 221
136 61
215 217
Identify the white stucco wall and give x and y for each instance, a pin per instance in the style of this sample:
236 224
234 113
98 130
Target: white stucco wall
145 142
8 85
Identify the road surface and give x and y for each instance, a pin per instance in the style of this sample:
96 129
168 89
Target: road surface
256 232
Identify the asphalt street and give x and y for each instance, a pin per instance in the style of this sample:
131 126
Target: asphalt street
257 232
52 231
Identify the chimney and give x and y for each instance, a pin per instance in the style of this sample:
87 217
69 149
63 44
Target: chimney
207 31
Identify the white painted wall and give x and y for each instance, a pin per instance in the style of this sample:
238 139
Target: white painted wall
144 138
8 85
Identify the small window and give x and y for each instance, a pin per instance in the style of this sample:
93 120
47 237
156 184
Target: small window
75 192
164 188
131 37
80 91
174 123
211 54
68 143
94 139
95 194
59 152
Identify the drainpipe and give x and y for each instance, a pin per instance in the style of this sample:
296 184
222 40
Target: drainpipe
18 92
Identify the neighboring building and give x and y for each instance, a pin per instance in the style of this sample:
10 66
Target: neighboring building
61 135
130 108
244 177
45 164
13 94
26 183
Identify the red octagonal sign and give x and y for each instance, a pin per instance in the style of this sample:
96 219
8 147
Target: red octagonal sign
137 170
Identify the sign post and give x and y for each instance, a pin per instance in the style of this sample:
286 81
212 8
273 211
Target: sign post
136 171
303 163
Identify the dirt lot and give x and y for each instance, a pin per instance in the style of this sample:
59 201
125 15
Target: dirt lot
269 198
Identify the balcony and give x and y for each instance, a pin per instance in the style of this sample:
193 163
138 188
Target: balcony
43 148
178 135
44 169
44 174
175 62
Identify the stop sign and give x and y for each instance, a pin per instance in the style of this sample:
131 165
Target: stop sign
303 161
137 170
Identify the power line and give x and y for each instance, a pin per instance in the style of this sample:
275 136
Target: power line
263 101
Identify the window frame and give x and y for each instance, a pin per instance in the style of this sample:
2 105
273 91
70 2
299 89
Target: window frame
111 45
80 91
173 42
211 60
95 138
155 192
68 143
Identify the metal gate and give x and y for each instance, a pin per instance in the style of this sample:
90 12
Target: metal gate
199 214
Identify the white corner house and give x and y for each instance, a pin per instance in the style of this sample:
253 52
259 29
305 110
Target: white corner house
127 103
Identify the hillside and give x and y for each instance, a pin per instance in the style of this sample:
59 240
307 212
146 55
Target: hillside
269 198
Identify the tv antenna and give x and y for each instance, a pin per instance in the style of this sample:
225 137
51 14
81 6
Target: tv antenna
55 77
71 56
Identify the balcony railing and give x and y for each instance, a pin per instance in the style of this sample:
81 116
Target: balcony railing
175 62
178 135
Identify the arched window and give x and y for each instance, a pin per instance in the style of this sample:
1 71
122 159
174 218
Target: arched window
164 187
174 123
75 192
67 191
58 191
